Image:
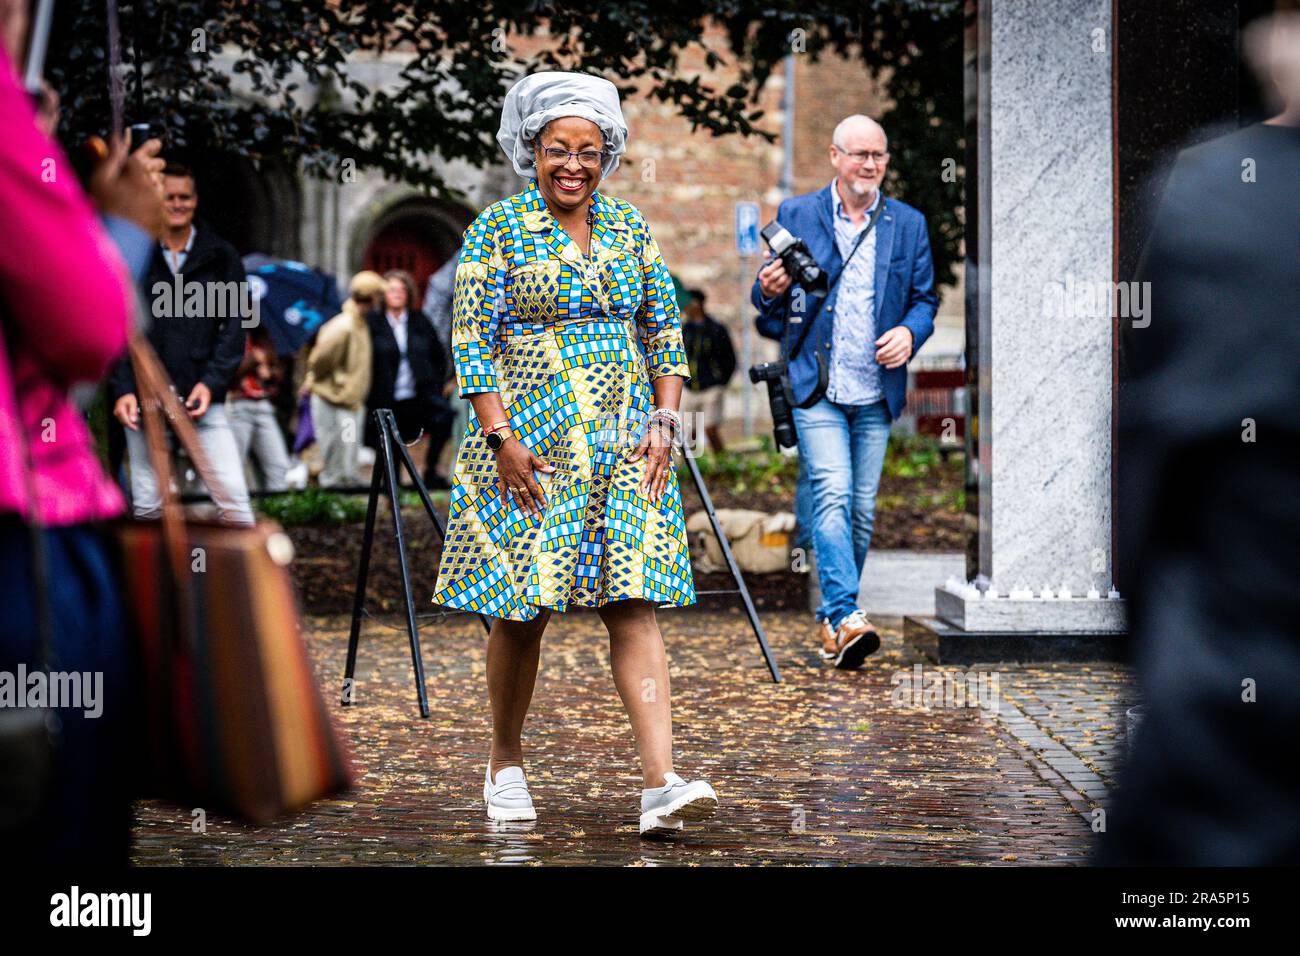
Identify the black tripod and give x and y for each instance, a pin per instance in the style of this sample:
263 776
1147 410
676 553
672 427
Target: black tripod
740 588
391 449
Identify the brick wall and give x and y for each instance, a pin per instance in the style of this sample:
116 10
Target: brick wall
825 93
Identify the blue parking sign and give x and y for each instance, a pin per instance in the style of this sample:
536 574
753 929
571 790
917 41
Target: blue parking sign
747 243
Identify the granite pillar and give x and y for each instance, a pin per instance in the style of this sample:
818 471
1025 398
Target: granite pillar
1040 237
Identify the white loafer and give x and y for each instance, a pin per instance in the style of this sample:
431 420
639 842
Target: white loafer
508 798
665 809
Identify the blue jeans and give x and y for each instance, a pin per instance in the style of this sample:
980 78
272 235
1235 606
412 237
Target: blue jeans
842 451
86 819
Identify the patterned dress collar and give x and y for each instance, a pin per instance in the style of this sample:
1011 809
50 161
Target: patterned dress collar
537 218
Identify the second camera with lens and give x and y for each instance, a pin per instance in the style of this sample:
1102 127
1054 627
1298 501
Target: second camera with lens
778 400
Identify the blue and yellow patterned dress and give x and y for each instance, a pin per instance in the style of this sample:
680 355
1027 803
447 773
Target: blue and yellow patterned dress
572 344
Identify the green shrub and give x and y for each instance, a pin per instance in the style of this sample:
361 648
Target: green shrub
312 506
760 469
911 456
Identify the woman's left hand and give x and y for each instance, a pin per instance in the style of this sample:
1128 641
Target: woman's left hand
657 447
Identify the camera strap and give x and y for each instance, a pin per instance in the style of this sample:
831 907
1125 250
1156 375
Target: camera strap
871 224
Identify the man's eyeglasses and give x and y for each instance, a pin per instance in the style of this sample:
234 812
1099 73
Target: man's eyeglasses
587 158
876 157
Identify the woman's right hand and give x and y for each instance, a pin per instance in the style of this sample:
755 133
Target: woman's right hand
516 466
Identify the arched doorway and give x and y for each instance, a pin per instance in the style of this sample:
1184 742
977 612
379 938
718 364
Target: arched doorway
418 234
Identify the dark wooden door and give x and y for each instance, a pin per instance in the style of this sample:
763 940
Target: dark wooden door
402 245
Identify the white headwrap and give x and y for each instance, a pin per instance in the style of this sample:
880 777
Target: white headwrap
541 97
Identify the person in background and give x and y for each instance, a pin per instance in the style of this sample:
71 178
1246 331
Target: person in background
713 361
338 380
1208 520
848 360
252 411
409 372
200 352
52 486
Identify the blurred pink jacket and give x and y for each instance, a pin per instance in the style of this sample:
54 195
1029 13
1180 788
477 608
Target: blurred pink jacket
64 300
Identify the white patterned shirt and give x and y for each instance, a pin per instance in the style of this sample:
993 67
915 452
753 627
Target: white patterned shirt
854 373
404 385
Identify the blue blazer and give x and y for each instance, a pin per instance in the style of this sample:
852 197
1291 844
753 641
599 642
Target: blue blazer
904 289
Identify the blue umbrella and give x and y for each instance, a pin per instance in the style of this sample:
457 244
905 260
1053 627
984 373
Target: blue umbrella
293 299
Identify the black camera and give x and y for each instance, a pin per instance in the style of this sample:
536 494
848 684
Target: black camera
773 373
142 132
797 260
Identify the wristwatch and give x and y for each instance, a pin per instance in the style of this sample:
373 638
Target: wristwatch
494 437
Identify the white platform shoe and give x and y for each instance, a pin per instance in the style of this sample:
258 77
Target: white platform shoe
665 809
508 799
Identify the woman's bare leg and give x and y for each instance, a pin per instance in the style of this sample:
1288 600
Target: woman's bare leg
640 667
514 648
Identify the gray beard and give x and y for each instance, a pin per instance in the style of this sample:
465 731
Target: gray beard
862 192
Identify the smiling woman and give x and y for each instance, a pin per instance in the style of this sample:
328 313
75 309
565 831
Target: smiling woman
567 343
558 145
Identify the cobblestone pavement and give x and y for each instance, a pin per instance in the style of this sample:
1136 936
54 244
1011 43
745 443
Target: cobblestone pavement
1071 717
828 767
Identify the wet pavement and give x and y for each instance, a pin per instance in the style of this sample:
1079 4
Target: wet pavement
828 767
1071 718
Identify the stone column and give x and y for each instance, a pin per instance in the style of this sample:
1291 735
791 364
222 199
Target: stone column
1040 247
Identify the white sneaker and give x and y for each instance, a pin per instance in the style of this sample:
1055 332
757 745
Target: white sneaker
665 809
295 479
508 798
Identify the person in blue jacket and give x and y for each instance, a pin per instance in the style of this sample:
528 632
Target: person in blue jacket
847 354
